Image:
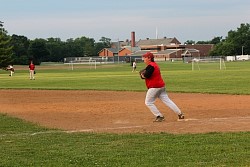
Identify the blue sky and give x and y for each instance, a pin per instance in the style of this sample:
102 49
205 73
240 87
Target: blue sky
198 20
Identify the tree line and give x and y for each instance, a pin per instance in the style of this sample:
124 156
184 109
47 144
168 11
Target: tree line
54 49
237 42
18 49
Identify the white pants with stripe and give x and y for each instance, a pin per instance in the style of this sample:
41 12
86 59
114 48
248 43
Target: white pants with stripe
160 93
32 76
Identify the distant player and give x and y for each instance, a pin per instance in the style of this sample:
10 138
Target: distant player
134 66
156 88
11 69
32 70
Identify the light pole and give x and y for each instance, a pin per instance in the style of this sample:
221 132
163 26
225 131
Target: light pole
242 51
118 47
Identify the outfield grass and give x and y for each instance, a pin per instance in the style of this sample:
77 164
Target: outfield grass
21 145
178 76
26 144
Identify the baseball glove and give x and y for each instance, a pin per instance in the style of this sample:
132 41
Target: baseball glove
142 72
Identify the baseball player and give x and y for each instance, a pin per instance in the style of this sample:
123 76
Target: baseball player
11 69
32 70
134 66
156 88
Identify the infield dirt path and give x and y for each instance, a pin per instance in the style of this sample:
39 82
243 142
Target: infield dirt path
125 112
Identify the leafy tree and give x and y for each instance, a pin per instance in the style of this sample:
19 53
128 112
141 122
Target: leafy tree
98 47
89 47
233 43
189 42
55 49
5 48
79 47
215 40
38 51
70 49
103 43
20 48
85 46
240 38
106 42
203 42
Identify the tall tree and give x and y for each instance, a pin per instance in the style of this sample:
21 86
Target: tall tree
216 40
55 48
71 49
5 48
84 46
79 47
106 42
103 43
234 43
20 48
38 51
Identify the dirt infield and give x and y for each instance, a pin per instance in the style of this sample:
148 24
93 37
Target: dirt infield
120 112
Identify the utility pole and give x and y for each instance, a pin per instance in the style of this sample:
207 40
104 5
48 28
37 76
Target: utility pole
118 51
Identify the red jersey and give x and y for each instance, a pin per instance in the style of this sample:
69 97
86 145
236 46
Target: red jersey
32 67
155 80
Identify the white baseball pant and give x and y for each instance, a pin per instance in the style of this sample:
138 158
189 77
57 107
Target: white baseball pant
160 93
32 74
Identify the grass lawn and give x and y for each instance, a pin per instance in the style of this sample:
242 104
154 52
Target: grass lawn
178 76
21 145
26 144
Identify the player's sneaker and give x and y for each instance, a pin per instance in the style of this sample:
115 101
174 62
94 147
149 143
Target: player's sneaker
181 116
159 119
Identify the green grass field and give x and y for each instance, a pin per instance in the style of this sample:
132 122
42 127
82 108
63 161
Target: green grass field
26 144
178 76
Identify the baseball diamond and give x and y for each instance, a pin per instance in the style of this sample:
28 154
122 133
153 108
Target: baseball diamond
125 112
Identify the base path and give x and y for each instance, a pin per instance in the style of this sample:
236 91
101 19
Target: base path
125 112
